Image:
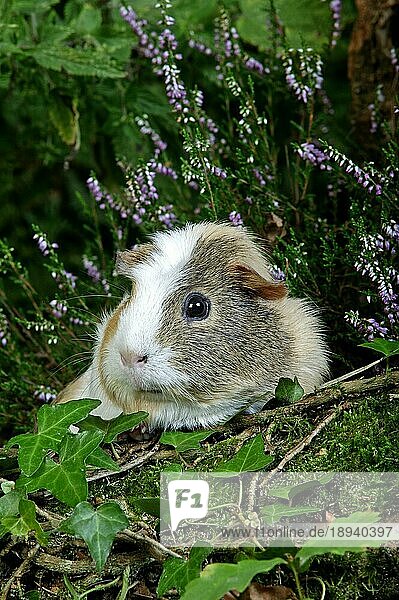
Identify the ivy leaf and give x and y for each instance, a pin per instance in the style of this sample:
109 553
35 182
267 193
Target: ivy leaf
25 522
219 578
177 572
9 503
52 423
288 492
184 441
66 480
251 457
99 458
150 506
114 427
98 528
273 513
386 347
288 390
307 553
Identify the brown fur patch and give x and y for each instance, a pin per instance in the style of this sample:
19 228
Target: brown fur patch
250 279
126 260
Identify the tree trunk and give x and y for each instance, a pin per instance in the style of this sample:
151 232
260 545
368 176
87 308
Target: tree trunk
373 46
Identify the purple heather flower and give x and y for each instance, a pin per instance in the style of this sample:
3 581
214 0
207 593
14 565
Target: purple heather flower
45 394
200 47
235 219
364 179
259 177
336 9
303 72
278 274
166 216
58 308
43 244
394 59
373 262
145 128
95 274
308 151
4 332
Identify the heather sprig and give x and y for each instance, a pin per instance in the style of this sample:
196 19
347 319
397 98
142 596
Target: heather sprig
64 279
377 260
336 10
303 72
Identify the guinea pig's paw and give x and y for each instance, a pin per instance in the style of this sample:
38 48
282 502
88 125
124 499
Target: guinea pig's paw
141 433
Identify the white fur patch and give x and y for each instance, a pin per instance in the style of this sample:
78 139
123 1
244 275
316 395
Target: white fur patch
155 278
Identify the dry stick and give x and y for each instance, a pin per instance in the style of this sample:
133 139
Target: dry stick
137 462
306 440
18 573
163 550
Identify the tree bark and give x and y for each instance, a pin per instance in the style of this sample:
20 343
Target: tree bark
375 34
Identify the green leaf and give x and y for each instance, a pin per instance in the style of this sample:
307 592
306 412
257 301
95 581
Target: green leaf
150 506
184 441
33 6
251 457
99 458
253 14
219 578
288 492
85 62
114 427
52 423
177 572
66 480
98 528
288 389
385 347
9 503
89 20
306 22
25 522
66 120
307 553
273 513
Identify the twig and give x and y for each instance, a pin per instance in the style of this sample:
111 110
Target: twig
332 414
352 373
137 462
18 573
160 548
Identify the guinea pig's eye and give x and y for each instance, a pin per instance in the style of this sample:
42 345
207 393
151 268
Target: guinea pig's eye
196 307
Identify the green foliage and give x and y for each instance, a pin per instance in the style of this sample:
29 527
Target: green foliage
251 457
386 347
97 527
218 579
114 427
52 422
65 479
184 441
64 476
79 64
288 390
177 573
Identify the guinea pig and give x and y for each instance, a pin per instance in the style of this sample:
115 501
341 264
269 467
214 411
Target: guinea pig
206 332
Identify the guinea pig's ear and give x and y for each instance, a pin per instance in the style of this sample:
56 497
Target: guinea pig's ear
252 281
126 260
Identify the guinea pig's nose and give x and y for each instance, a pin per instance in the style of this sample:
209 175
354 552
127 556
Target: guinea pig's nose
130 359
